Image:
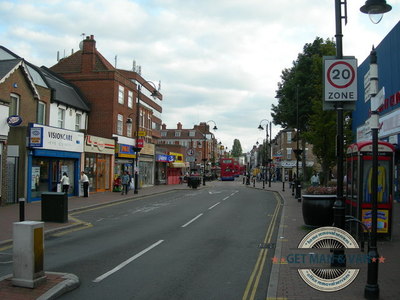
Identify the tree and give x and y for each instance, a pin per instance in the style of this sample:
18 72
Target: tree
300 103
236 148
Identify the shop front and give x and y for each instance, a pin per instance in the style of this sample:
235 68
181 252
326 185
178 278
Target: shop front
52 152
99 159
176 169
162 161
147 165
124 160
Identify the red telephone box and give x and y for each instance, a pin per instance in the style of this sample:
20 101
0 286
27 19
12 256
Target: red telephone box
359 189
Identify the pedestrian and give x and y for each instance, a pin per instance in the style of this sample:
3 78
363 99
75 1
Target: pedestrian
85 182
315 180
125 181
65 183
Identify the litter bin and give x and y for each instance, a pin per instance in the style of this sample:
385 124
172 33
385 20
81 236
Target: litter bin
54 207
194 181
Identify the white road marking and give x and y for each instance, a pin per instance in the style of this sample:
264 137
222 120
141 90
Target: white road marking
125 263
192 220
225 198
213 206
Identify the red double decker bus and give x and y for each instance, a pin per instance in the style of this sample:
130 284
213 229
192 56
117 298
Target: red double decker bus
228 169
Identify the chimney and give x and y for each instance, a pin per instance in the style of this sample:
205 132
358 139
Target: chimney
164 126
179 126
88 54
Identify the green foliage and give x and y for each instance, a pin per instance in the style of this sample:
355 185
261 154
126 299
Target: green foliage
236 148
300 103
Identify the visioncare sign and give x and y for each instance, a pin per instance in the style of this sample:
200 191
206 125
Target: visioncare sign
53 138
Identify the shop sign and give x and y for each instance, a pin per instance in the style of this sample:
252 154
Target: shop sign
52 138
165 158
97 144
36 137
140 143
14 120
127 151
178 156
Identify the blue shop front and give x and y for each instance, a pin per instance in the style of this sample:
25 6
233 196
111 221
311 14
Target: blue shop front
388 58
52 152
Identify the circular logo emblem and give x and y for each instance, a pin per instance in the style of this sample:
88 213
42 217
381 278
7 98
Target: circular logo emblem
14 120
328 280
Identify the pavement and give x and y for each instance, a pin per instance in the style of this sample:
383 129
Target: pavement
285 281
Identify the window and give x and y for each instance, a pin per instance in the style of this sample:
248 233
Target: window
177 133
14 105
288 153
130 99
121 94
78 120
129 129
120 124
41 113
192 133
163 133
289 137
61 117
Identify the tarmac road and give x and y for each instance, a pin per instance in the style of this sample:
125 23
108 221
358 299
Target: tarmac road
189 244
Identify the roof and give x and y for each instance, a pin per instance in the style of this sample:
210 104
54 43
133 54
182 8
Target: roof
65 92
7 67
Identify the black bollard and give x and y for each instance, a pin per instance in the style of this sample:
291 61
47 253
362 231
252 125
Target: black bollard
21 209
283 186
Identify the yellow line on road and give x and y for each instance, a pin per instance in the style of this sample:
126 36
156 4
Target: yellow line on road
85 225
254 280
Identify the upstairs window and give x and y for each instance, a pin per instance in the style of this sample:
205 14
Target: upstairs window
61 118
14 105
78 121
121 94
120 124
130 99
41 113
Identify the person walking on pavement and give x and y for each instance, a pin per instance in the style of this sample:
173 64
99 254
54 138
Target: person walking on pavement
125 180
315 180
65 183
85 182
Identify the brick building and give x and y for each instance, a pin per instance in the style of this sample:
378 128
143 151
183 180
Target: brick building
124 107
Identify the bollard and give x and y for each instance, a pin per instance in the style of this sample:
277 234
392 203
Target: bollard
254 182
283 186
28 252
263 184
244 179
293 188
21 209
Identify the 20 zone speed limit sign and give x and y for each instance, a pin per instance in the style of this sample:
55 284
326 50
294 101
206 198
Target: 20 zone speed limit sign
340 79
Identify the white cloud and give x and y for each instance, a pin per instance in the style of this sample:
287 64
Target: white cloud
217 60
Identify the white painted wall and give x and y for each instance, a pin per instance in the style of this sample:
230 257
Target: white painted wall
70 117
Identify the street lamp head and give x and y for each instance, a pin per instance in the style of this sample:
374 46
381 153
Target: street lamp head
260 127
215 127
154 93
375 9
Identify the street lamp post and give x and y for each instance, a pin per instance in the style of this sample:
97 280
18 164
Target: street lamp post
371 7
154 94
267 160
204 151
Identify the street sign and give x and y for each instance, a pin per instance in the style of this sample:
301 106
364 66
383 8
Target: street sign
378 100
141 133
340 79
190 152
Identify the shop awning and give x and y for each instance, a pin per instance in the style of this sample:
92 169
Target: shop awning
177 165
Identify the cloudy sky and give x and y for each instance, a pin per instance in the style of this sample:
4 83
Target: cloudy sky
217 60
